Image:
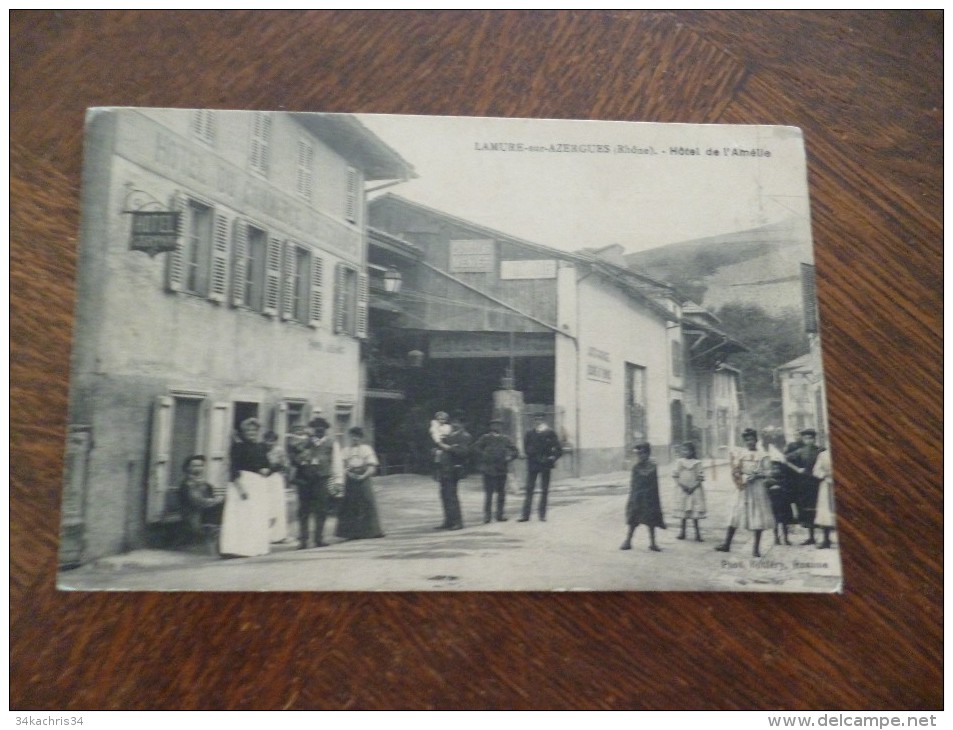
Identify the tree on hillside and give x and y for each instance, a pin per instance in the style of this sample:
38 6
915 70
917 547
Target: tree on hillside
772 340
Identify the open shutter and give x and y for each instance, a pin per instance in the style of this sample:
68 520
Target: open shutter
340 298
239 261
316 303
281 421
351 199
361 305
272 277
218 288
217 447
174 262
288 282
160 453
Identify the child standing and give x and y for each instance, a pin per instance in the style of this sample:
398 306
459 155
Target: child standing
689 493
644 506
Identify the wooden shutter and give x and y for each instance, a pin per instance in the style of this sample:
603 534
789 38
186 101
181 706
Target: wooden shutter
174 262
316 303
159 455
288 282
239 261
351 199
340 297
218 286
272 277
218 440
361 329
260 137
281 421
809 297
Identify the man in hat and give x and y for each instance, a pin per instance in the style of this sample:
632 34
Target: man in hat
494 452
801 461
452 466
542 448
318 469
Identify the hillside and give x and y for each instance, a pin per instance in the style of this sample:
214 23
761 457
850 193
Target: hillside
758 266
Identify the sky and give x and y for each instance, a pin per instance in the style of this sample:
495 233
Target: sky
621 182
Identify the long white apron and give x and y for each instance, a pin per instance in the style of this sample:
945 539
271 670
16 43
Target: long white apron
245 528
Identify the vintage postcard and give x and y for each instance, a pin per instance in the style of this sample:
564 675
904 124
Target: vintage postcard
326 352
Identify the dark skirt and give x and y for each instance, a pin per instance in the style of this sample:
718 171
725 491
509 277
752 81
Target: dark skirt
644 506
781 504
357 512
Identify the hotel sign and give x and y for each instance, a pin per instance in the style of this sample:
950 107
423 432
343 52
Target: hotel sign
154 231
473 257
598 366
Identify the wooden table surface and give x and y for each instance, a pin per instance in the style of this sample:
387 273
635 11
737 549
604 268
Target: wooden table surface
867 90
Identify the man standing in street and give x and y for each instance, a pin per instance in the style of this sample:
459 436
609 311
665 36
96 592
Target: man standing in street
454 455
542 449
318 466
494 452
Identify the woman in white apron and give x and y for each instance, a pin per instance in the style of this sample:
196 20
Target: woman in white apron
245 521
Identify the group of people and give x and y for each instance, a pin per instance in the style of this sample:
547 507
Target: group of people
771 484
251 516
455 450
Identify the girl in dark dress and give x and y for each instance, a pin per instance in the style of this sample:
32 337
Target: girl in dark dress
644 506
357 514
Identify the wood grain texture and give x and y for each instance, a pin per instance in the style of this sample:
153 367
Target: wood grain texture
867 90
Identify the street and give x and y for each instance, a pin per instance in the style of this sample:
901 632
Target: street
577 548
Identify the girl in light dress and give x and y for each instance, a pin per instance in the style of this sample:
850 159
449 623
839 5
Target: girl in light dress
689 492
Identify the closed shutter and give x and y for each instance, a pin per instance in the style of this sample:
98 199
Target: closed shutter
239 262
316 304
174 262
351 200
272 277
218 289
361 305
288 282
219 438
340 298
159 454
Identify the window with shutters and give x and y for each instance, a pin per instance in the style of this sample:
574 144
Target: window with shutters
296 289
196 253
203 125
305 177
352 199
248 271
350 297
260 151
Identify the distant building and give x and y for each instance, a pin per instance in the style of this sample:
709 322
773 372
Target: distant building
253 304
595 347
803 395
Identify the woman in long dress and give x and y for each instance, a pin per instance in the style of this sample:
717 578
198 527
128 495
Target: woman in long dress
245 521
750 469
357 513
